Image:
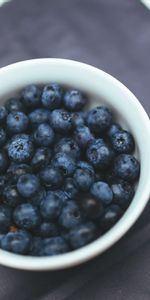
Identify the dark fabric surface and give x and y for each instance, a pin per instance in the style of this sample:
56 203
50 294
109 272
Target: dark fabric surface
113 35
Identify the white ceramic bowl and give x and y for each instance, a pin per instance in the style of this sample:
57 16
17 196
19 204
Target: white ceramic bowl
101 88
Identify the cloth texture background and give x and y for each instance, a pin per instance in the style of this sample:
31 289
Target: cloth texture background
113 35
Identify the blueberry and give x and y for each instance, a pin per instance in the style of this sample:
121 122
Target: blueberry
52 96
17 170
3 115
38 197
127 167
91 207
53 246
2 137
123 142
70 215
41 158
113 129
78 119
51 206
68 146
11 196
39 116
83 136
5 218
44 135
101 191
26 216
69 188
51 177
82 235
3 162
99 154
47 229
1 237
60 120
17 242
63 195
17 122
64 162
3 181
37 244
20 148
28 185
111 215
14 104
99 119
123 193
83 179
74 100
31 96
85 165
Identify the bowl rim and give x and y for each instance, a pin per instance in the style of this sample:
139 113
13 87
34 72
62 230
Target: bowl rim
122 226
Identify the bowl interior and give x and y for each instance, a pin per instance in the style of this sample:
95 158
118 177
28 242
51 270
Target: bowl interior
101 88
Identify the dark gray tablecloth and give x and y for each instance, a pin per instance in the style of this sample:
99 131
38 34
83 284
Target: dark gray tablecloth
113 35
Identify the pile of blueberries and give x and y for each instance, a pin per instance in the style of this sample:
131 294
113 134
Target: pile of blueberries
66 175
